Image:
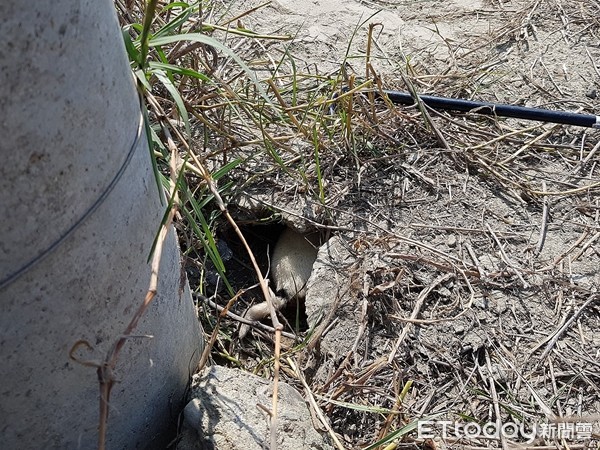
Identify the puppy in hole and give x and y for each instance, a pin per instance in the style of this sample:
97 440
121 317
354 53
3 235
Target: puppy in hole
291 265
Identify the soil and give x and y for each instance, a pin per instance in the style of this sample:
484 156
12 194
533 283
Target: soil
469 245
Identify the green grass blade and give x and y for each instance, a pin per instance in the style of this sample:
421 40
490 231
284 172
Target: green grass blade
151 138
178 184
227 168
141 76
394 435
144 38
132 52
205 235
202 38
178 21
178 70
166 81
401 432
318 166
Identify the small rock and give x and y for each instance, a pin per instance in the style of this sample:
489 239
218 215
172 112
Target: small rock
451 242
325 280
459 328
444 292
223 414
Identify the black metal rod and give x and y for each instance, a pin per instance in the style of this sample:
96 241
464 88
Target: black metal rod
497 109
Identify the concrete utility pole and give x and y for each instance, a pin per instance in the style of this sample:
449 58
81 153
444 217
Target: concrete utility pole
79 210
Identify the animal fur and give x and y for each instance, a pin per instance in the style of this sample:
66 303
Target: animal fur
291 266
292 263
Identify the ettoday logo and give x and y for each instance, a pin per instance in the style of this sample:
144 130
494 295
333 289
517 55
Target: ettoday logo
571 431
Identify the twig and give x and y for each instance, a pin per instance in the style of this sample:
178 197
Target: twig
238 318
315 406
585 246
433 263
275 416
245 13
351 354
584 162
475 260
105 369
505 258
285 108
593 61
494 395
223 311
263 285
544 226
569 191
563 255
424 111
558 333
417 308
538 138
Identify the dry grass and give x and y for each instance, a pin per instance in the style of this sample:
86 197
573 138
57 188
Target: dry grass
474 286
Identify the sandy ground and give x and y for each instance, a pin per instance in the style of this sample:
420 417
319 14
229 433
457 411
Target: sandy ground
537 48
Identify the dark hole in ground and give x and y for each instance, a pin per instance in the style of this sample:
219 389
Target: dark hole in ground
294 313
241 275
239 270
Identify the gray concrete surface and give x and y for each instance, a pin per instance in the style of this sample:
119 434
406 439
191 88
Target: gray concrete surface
70 115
